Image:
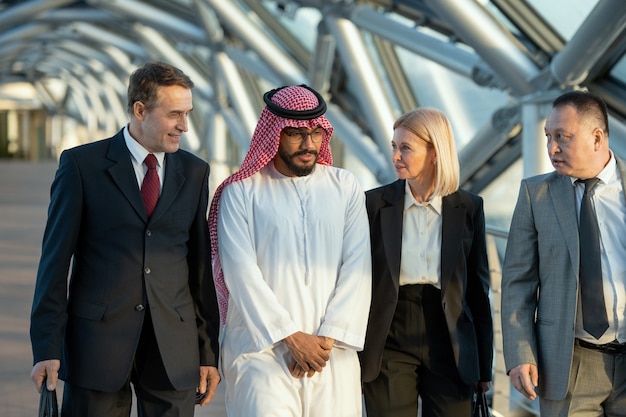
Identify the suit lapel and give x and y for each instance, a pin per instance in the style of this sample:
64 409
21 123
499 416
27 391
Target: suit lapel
391 227
174 180
123 174
564 201
453 215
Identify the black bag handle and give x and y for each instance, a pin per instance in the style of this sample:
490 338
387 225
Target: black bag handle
481 409
48 406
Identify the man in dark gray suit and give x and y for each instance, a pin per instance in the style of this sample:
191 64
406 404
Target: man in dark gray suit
141 308
550 349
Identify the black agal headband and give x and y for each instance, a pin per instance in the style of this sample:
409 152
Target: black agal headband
295 114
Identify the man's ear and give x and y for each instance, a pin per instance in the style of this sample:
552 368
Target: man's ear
139 110
599 138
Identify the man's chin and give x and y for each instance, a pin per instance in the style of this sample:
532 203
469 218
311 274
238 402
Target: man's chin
562 170
303 170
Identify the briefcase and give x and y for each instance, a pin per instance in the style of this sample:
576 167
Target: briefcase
481 409
48 406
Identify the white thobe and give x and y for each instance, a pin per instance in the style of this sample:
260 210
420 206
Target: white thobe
295 252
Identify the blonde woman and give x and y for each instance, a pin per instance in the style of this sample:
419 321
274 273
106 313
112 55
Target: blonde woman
430 332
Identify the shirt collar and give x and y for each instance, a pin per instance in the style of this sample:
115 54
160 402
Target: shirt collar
137 151
409 200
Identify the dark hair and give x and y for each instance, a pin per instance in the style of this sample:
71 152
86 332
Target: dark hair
145 81
587 104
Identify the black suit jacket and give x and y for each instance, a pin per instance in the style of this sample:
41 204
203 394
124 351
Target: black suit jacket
464 279
124 263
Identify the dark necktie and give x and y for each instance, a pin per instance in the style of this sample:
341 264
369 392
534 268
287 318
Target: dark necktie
592 294
151 187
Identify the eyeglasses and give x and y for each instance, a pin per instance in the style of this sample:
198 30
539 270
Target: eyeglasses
299 136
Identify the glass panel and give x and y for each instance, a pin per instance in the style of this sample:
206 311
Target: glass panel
565 16
467 105
300 22
619 70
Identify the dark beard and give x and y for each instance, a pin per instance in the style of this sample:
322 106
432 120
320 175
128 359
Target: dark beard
299 171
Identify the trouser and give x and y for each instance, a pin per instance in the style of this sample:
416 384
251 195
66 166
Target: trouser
418 362
155 395
597 387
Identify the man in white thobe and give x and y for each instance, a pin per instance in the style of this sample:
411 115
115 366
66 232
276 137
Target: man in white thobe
293 268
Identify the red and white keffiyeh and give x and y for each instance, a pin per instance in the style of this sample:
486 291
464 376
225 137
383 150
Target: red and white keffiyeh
263 148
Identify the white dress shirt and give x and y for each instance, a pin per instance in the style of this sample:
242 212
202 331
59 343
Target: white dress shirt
138 153
420 261
610 207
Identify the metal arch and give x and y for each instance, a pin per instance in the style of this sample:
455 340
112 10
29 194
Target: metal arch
372 97
98 35
210 23
257 40
236 90
159 47
290 44
572 64
503 54
444 53
14 41
84 85
231 55
101 76
152 16
24 12
364 148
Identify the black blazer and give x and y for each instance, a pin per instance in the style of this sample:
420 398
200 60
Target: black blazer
464 279
124 263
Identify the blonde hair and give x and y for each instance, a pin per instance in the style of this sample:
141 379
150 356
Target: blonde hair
433 127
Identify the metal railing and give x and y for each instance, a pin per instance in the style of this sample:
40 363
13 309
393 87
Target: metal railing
506 401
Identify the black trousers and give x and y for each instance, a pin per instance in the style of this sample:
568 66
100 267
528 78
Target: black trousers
418 362
155 395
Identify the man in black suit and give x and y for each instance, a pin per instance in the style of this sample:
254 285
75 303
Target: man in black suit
141 308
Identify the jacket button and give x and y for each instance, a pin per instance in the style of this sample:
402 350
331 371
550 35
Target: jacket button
147 270
139 307
148 233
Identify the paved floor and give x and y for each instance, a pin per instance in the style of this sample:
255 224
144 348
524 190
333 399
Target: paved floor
24 196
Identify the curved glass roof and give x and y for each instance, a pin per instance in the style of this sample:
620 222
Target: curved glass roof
492 66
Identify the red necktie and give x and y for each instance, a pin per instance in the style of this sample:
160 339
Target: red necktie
151 186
